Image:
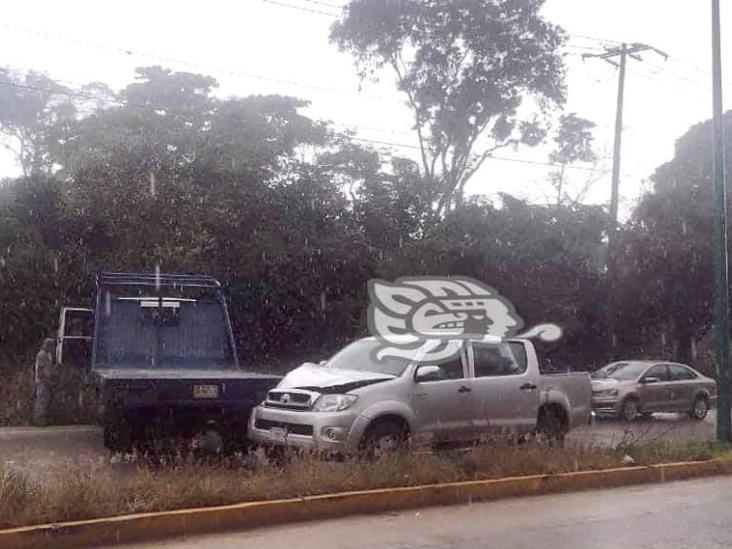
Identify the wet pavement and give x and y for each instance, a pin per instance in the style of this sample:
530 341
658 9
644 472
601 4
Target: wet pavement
610 432
687 514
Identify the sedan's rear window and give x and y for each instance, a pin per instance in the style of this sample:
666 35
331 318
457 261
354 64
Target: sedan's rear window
680 373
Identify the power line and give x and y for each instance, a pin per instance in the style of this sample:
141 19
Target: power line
300 8
198 66
326 4
127 52
492 157
594 38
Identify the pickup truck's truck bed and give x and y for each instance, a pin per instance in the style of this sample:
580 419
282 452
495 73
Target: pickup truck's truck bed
573 389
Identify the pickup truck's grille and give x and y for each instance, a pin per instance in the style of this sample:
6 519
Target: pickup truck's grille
293 428
288 400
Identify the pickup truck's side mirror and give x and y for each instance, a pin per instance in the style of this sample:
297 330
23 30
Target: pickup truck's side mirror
650 379
429 373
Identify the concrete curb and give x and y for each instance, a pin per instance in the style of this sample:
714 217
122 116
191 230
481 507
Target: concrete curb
187 522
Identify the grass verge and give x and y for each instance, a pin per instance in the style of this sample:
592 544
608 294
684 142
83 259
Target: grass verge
105 489
16 395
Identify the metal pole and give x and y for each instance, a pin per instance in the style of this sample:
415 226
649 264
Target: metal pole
721 289
614 199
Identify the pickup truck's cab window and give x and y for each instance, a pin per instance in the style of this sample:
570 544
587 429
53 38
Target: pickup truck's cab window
452 368
504 359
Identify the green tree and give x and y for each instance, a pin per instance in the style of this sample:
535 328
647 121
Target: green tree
573 142
34 113
665 255
466 69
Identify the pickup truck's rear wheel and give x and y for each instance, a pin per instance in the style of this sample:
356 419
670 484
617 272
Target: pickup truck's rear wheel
383 437
552 424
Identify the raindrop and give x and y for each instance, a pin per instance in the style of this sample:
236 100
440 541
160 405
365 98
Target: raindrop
153 190
157 276
55 264
322 301
107 303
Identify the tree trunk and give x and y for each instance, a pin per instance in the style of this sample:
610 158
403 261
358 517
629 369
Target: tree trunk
683 342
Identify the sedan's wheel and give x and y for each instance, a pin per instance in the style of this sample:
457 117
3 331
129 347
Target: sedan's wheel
383 438
699 409
630 410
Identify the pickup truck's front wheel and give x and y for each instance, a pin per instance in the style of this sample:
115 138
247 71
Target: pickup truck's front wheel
383 437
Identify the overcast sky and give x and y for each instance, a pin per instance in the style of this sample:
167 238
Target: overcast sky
258 46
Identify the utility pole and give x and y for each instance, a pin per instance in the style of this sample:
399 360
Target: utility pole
615 188
721 289
618 57
621 53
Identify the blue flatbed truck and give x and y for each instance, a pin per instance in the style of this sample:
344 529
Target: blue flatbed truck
162 362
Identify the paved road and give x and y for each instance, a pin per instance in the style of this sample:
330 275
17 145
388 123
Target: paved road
683 515
610 432
50 450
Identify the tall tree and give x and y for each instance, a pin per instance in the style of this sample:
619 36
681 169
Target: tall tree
34 113
573 142
665 253
465 68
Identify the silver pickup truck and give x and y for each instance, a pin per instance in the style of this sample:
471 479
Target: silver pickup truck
353 402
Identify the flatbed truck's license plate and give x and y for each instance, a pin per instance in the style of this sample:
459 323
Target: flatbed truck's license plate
205 391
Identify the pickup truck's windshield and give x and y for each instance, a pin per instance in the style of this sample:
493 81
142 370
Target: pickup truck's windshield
620 370
193 334
360 356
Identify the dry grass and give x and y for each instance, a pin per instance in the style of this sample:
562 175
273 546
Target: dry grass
16 395
17 392
100 491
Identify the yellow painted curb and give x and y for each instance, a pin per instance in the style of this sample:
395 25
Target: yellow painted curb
187 522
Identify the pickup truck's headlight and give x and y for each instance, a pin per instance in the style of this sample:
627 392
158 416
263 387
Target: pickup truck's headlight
333 403
607 392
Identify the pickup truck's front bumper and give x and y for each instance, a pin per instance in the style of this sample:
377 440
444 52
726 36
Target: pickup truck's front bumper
330 432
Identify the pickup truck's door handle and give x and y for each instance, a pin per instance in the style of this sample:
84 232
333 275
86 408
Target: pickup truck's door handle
528 387
464 389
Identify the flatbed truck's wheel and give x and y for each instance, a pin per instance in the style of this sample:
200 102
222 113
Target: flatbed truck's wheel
118 436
